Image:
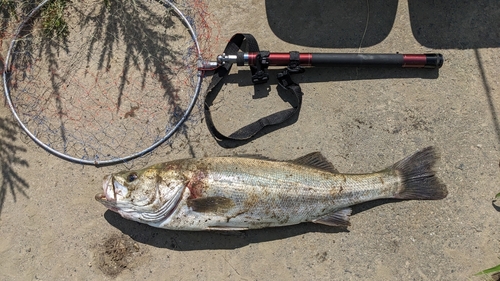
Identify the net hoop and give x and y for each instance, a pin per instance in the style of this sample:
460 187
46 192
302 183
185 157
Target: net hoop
97 162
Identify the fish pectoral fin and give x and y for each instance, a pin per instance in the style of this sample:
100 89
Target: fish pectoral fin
215 204
226 228
338 218
316 160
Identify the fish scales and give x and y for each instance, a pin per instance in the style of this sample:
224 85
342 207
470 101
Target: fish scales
236 193
277 193
263 191
278 184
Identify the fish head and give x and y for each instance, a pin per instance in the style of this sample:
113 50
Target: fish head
147 195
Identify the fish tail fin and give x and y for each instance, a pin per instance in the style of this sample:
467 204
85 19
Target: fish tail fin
418 178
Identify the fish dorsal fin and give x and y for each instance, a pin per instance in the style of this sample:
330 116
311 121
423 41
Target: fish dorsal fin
338 218
315 160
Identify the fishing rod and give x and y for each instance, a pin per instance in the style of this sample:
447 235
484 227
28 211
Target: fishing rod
294 61
329 59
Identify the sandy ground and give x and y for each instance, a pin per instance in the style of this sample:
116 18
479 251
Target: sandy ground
362 120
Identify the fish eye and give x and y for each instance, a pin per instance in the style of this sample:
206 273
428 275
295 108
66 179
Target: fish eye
131 177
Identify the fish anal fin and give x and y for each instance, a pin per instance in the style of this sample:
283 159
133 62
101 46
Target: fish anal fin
215 204
315 160
338 218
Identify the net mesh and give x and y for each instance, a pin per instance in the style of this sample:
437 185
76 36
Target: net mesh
109 80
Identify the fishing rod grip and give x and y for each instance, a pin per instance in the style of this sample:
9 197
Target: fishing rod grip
344 59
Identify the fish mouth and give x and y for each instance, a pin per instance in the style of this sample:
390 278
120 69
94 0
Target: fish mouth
100 197
108 196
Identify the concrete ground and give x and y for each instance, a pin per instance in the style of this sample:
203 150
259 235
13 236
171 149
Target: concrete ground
361 119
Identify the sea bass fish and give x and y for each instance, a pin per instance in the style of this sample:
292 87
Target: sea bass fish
239 193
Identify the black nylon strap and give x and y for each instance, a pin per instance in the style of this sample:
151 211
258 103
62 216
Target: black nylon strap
233 46
248 132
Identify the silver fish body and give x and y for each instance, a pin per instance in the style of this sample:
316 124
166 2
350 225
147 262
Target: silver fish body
237 193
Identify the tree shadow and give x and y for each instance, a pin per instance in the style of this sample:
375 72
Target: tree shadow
121 49
11 179
117 23
8 14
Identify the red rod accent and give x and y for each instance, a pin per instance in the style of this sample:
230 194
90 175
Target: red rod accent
305 59
251 58
281 59
411 60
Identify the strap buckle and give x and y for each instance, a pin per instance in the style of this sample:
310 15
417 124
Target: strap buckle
285 80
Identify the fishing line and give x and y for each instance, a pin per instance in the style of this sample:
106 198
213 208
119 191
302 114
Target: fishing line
114 82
